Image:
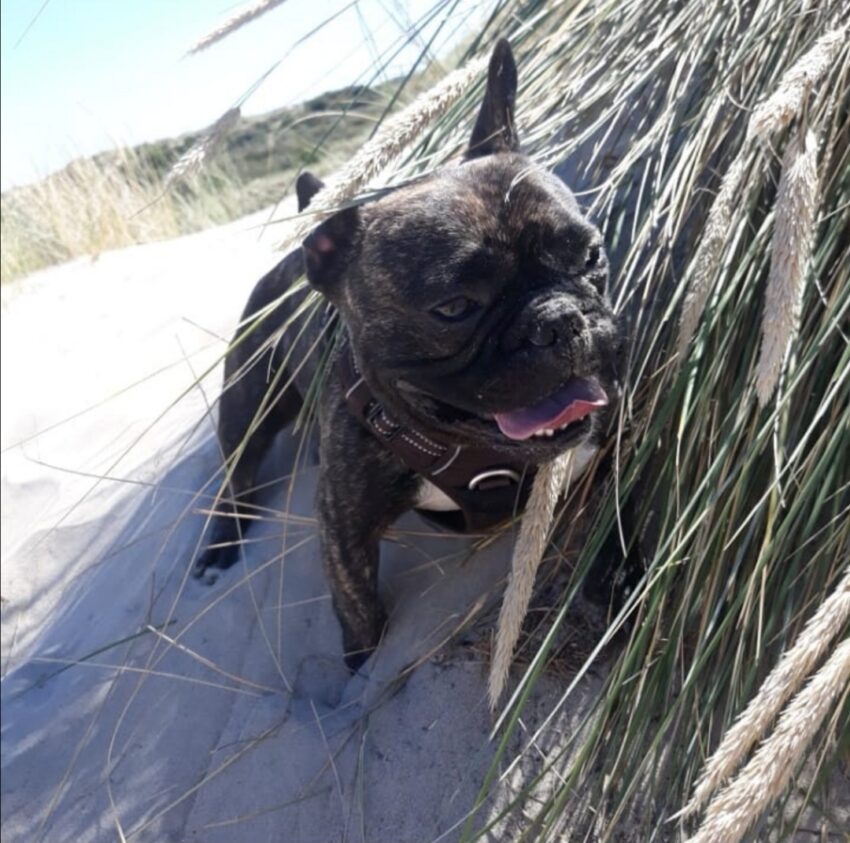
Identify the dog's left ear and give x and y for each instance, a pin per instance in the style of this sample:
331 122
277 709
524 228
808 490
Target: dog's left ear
306 187
495 130
328 249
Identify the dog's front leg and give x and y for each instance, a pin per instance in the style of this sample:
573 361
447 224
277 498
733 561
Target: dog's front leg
362 489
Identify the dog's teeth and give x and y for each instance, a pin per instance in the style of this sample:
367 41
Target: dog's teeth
546 431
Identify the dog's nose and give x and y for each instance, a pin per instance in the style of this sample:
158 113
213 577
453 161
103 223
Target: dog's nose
549 324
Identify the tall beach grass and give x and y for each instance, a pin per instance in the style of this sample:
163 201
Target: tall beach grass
94 205
741 505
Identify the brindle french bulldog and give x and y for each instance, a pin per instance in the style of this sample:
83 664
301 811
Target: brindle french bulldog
477 342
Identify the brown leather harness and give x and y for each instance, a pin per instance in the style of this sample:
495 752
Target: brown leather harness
487 487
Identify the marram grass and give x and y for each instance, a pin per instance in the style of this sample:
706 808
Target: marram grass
96 204
738 806
790 254
191 162
242 16
549 484
744 509
785 679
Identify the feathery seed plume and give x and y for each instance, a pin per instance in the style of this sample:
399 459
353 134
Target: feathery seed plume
193 159
785 103
708 253
790 252
234 22
782 683
550 481
739 805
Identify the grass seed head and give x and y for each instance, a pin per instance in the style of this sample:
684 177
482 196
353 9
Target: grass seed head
730 816
783 682
236 21
786 102
708 253
194 158
791 249
549 483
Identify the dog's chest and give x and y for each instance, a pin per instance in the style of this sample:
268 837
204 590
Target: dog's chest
434 499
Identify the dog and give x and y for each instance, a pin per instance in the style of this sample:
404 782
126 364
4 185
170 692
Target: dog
470 339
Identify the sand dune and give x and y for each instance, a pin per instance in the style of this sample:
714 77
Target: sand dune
209 713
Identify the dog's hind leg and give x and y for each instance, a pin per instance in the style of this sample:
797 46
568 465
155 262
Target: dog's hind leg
242 450
258 401
254 367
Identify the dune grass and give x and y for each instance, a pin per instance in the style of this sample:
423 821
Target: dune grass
92 206
135 195
742 504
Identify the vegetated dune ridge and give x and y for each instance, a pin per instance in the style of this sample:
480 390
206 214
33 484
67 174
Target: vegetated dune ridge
243 724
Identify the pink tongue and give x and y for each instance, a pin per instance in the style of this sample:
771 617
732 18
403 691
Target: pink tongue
576 399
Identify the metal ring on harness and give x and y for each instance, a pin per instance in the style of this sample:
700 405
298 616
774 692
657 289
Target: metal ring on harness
507 473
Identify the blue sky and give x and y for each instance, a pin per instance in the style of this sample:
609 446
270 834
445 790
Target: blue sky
93 74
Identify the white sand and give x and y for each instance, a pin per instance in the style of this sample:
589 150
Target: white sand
248 728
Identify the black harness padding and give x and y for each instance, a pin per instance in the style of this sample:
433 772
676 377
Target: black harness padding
487 487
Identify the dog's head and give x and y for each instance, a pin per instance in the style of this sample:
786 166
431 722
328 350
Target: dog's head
476 299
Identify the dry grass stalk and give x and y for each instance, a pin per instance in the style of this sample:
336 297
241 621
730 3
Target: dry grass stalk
786 102
550 481
708 253
194 158
738 806
782 683
394 136
234 22
791 248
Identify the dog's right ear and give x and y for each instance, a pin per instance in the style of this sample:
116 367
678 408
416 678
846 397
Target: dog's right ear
327 249
306 187
495 130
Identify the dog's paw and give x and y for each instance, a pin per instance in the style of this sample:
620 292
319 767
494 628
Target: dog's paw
354 661
204 575
212 562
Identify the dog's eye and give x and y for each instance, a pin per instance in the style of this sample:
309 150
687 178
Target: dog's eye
455 309
593 255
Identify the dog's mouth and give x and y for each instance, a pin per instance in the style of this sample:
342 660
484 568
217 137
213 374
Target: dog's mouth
560 414
574 401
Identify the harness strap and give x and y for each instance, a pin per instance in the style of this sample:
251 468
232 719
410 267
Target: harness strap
487 487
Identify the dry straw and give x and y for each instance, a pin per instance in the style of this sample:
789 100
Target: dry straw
791 249
549 483
733 812
705 262
234 22
193 159
782 683
786 102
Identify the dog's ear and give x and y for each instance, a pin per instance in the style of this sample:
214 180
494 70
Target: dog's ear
495 130
306 187
328 248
